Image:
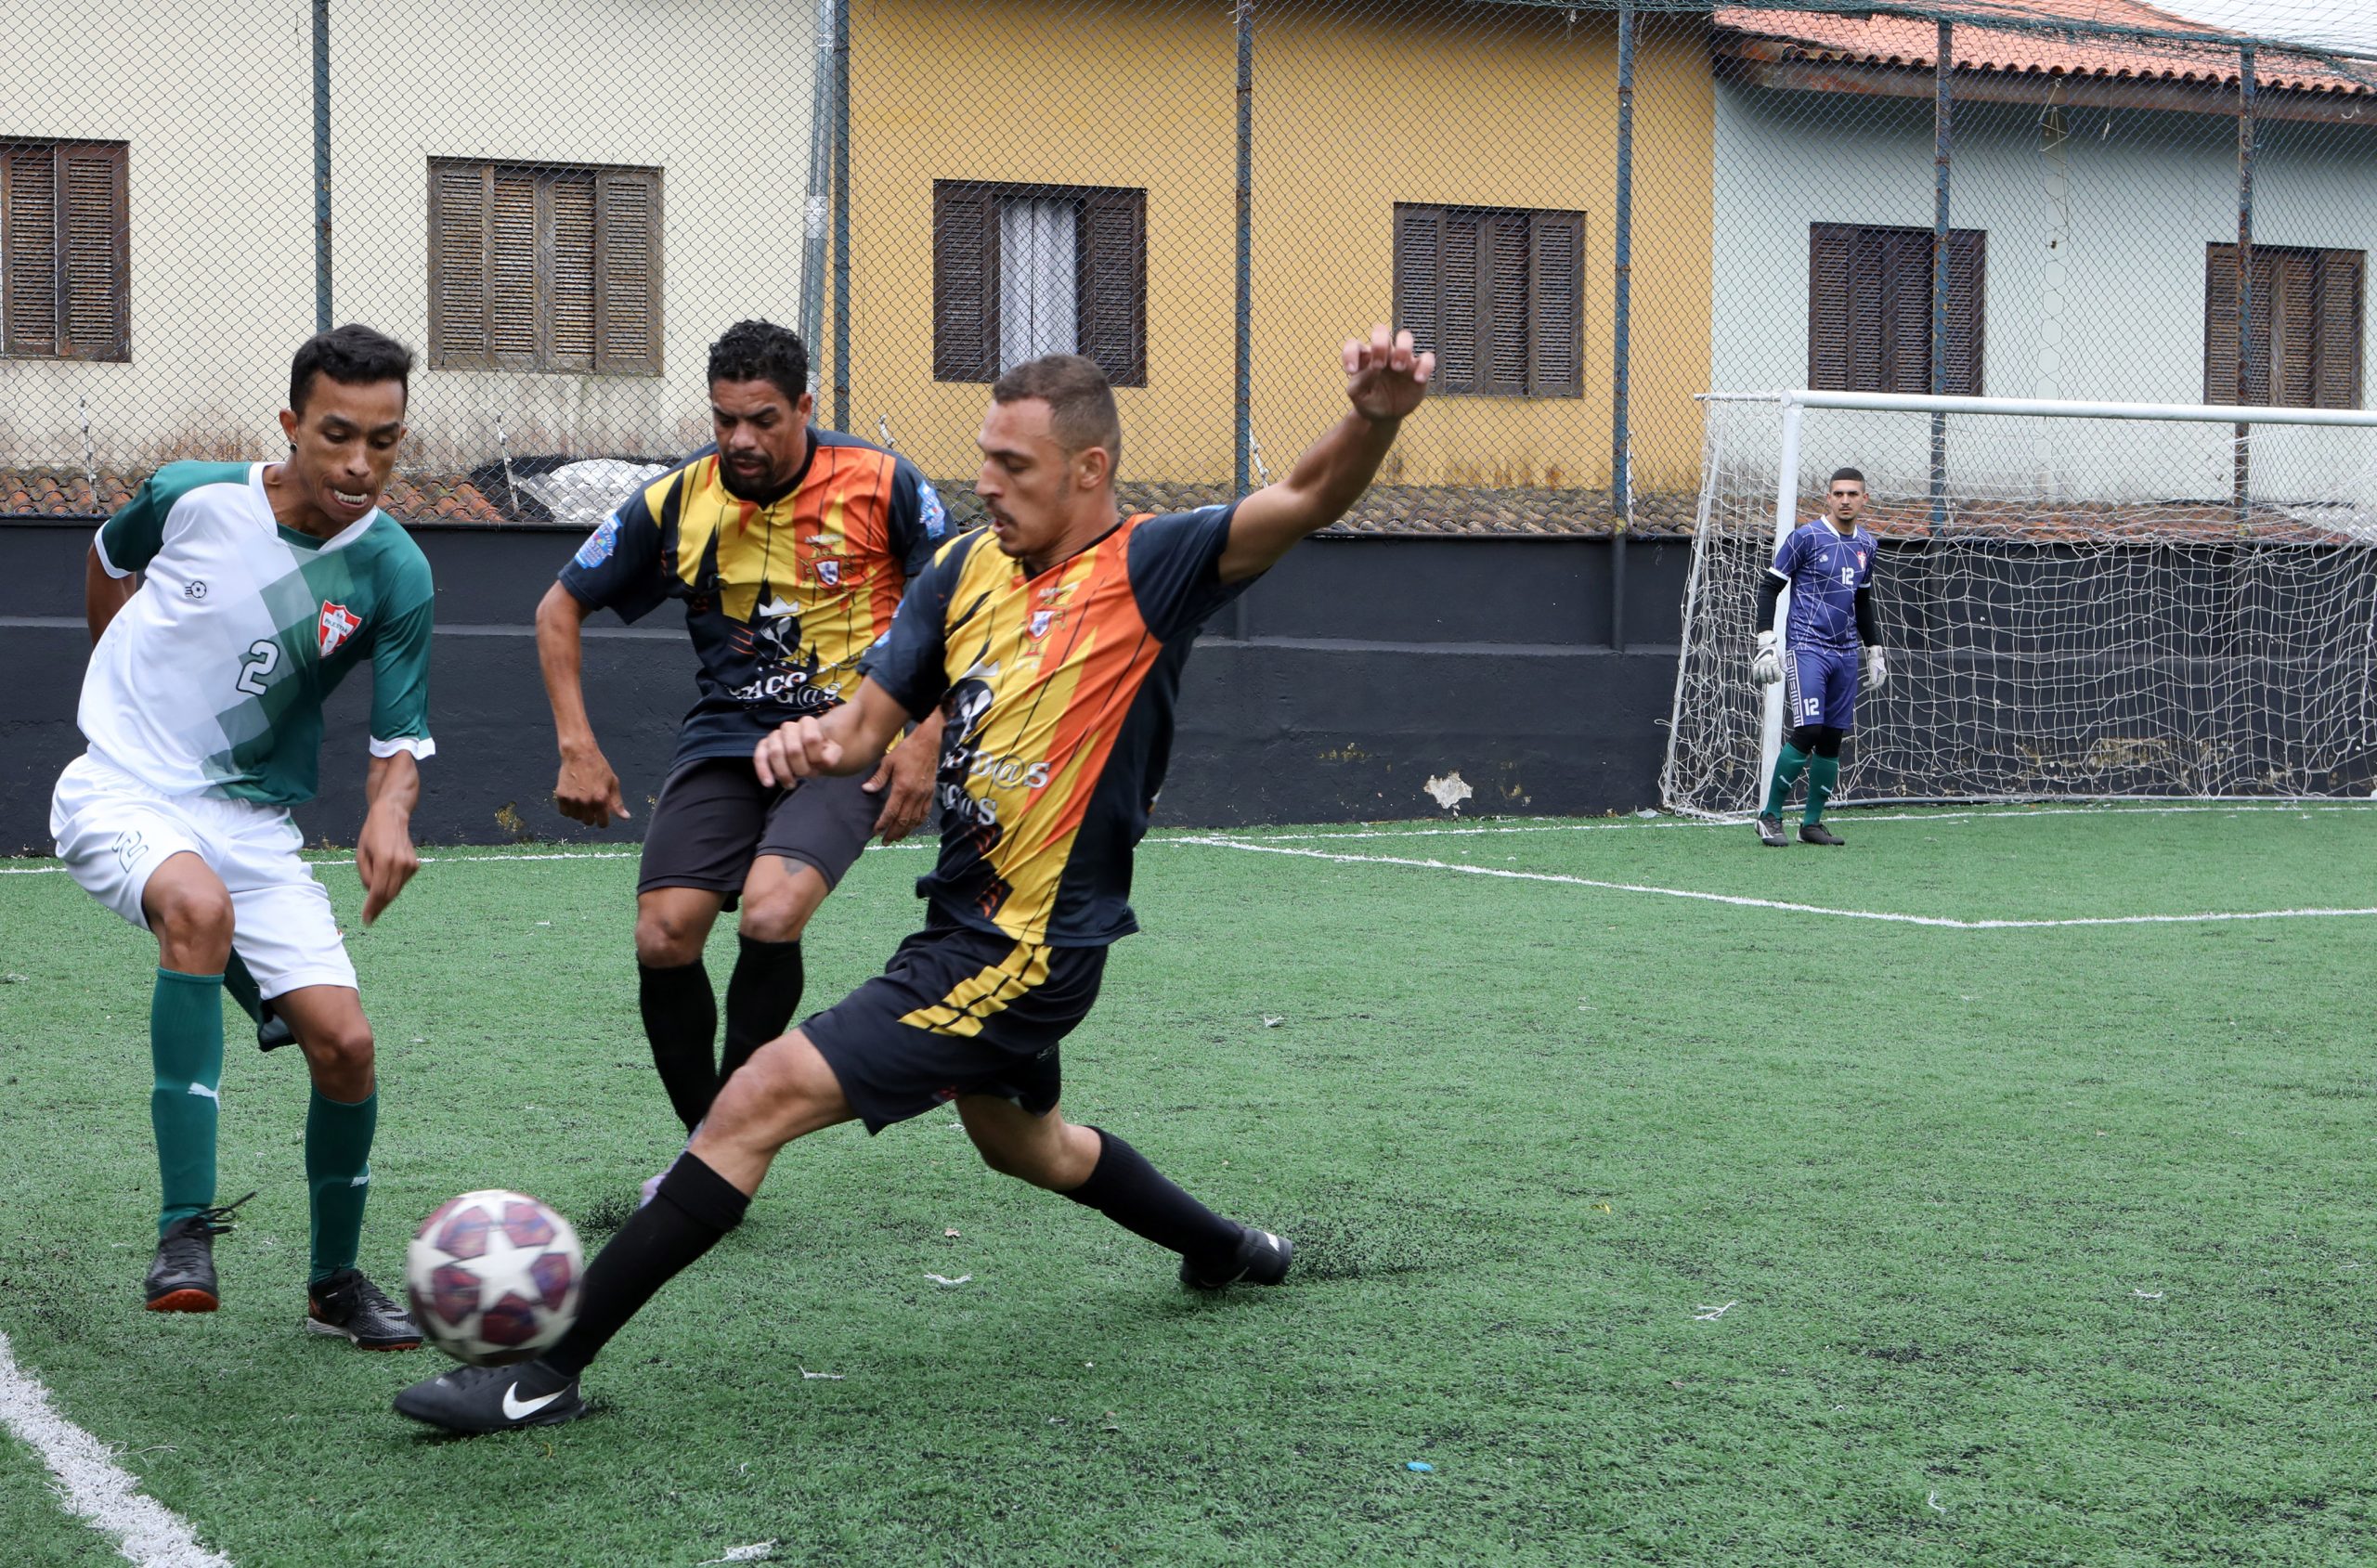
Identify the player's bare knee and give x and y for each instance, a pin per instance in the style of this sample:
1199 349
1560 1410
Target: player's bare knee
193 928
669 939
774 920
341 1055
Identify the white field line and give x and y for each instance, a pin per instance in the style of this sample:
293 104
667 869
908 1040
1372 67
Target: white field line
1884 916
1998 814
91 1485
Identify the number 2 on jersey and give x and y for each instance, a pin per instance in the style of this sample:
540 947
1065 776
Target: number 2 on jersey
264 657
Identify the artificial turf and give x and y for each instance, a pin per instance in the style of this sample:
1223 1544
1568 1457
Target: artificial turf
2033 1246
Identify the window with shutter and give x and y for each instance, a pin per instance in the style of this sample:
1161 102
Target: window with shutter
1869 309
2306 337
65 251
1496 293
1016 268
544 267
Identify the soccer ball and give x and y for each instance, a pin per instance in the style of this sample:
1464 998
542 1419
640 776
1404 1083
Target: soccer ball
493 1277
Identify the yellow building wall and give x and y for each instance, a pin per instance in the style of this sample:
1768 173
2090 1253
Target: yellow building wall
1354 111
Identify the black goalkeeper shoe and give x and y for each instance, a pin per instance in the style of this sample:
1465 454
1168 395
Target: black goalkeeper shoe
182 1278
480 1399
273 1031
1816 833
1770 830
353 1308
1261 1259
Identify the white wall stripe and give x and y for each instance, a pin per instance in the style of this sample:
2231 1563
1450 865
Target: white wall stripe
91 1483
1941 921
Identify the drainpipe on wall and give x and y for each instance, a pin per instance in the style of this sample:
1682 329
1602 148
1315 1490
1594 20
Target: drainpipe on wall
2241 476
1622 477
1943 111
842 215
321 165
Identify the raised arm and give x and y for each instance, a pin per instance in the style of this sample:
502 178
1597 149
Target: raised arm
848 740
587 791
104 594
1385 378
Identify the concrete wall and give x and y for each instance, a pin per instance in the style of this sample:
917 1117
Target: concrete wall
2096 224
216 99
1364 666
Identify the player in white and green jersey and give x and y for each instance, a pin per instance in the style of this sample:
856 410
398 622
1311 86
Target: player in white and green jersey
259 587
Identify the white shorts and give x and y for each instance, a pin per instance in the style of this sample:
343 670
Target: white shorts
113 832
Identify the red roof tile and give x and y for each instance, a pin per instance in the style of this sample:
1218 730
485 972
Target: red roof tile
2034 45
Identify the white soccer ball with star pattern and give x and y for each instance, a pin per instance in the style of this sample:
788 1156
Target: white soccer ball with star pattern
494 1277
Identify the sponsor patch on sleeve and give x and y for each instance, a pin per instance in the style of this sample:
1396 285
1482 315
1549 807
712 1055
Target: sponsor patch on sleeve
599 544
930 509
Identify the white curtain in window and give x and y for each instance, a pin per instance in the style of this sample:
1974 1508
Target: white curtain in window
1037 263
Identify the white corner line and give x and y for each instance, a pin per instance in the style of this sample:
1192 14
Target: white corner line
1861 816
91 1485
1884 916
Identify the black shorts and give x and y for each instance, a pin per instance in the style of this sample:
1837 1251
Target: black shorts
714 817
957 1012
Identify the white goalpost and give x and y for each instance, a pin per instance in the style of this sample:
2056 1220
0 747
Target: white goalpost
2078 599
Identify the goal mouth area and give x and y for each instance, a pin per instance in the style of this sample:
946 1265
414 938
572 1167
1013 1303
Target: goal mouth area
2079 602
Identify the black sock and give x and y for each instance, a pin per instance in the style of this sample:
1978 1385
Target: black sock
695 1207
1135 1194
761 996
680 1019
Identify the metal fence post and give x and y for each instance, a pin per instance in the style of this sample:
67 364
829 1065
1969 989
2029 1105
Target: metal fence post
841 214
821 176
1242 432
2242 475
1943 112
1621 485
321 165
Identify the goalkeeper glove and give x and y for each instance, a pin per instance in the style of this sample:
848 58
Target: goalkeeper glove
1766 666
1875 670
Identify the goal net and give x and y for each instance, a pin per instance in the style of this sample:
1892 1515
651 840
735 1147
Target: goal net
2076 600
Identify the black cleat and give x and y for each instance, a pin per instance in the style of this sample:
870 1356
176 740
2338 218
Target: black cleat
353 1308
1261 1259
477 1399
273 1031
1770 830
182 1278
1816 833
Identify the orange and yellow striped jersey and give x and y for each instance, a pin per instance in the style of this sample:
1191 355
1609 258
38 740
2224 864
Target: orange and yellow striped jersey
1057 691
783 599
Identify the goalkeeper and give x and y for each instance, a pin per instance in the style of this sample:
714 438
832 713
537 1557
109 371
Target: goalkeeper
1828 566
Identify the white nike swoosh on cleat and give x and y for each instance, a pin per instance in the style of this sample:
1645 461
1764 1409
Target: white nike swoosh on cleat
521 1409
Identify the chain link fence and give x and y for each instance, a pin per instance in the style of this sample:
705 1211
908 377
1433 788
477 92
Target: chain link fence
1592 212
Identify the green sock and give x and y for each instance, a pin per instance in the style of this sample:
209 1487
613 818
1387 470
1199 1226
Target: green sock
1787 769
1823 773
242 988
338 1174
185 1049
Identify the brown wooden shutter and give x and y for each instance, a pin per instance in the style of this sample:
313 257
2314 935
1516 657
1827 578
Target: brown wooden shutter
1459 312
1109 291
92 283
458 264
1418 283
1968 295
566 261
1555 299
2219 323
1906 310
1830 249
2265 330
2340 328
1504 312
964 291
29 267
629 275
2294 333
512 270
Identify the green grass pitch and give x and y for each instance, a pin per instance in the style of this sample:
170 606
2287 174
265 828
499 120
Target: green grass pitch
2047 1243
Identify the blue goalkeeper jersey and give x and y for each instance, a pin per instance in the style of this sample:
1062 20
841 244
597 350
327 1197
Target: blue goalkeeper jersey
1824 569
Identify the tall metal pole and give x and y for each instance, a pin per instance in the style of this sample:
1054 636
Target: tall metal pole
1621 476
2241 476
1243 437
1943 112
321 165
842 215
821 179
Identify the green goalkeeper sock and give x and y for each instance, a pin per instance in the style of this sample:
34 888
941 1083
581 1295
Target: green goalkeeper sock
1823 773
242 988
338 1174
185 1050
1787 769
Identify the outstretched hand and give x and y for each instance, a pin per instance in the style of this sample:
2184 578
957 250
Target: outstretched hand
1386 377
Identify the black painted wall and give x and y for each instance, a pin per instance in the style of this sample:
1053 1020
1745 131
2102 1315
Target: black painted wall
1356 670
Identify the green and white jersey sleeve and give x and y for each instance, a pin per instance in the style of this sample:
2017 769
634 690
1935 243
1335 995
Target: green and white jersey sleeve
211 679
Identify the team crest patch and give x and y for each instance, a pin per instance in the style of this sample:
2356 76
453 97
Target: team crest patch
338 624
599 544
829 571
1045 621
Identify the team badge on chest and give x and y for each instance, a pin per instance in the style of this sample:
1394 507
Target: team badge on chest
338 624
